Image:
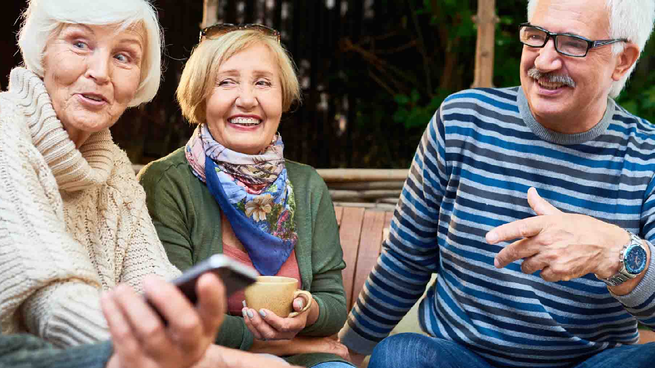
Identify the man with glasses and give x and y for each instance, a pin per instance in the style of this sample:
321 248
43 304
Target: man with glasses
535 205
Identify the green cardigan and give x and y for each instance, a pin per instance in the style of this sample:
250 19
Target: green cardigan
188 222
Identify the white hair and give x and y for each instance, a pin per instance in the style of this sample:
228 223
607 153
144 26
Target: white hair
630 19
43 18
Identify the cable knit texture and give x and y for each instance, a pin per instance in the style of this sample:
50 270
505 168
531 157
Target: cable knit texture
72 222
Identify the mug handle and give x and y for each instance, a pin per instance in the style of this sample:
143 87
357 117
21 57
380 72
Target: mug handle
308 301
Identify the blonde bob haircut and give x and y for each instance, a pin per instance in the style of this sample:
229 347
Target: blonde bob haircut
199 75
44 19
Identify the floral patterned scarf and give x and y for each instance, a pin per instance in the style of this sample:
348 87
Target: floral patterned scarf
254 193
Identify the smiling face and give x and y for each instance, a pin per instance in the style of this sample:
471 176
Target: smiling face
244 109
91 74
558 106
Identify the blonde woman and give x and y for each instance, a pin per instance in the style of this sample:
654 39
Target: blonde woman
230 190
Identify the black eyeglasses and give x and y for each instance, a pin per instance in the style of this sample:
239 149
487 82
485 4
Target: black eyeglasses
220 29
565 43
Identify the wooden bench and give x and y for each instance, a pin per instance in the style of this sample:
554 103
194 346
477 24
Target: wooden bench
361 231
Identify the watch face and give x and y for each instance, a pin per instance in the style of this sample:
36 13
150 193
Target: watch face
635 260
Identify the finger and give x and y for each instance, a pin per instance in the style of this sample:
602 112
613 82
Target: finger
298 304
525 228
548 275
125 345
183 320
520 249
284 324
211 302
147 327
540 205
247 313
564 271
533 264
263 322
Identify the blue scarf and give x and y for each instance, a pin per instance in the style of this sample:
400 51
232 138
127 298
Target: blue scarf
255 195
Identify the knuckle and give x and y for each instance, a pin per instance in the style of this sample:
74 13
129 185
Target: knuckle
284 327
557 270
524 230
122 333
153 330
546 275
550 257
189 323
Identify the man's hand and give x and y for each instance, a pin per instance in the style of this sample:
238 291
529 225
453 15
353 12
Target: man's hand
139 337
563 246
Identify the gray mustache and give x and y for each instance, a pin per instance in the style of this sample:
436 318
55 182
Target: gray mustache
553 78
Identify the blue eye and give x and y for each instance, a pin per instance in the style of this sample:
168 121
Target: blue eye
79 44
122 57
225 82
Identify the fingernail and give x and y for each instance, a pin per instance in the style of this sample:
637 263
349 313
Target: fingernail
262 313
251 314
244 312
496 263
300 304
243 302
492 237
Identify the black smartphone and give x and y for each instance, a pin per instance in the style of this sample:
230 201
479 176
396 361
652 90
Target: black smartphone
234 275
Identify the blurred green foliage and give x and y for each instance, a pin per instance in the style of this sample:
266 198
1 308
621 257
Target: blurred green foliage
443 36
639 95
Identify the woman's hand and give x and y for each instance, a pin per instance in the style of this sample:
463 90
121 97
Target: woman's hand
222 357
301 345
266 325
356 358
139 336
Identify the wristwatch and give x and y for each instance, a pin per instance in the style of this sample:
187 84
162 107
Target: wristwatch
632 261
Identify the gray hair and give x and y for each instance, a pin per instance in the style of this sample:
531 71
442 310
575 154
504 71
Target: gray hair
630 19
43 18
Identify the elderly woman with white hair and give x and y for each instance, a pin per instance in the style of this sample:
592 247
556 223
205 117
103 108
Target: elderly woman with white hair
73 219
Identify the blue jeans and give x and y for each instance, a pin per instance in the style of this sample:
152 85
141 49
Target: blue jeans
333 365
411 350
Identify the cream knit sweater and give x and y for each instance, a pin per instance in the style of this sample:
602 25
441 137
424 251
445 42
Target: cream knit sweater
72 222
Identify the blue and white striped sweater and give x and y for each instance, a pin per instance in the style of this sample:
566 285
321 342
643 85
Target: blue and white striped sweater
479 155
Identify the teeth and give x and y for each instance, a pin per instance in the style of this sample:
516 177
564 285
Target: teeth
550 85
93 98
245 121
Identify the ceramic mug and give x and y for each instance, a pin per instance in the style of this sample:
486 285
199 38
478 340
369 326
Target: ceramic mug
276 293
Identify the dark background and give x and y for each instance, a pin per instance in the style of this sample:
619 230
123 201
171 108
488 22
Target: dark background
372 72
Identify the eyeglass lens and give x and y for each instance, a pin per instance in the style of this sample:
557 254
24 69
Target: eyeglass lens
565 44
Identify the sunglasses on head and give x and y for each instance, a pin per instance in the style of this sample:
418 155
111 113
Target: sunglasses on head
219 29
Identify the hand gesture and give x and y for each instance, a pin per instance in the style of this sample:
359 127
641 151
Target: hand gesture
266 325
563 246
139 336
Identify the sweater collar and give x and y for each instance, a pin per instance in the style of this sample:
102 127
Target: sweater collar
561 138
73 169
